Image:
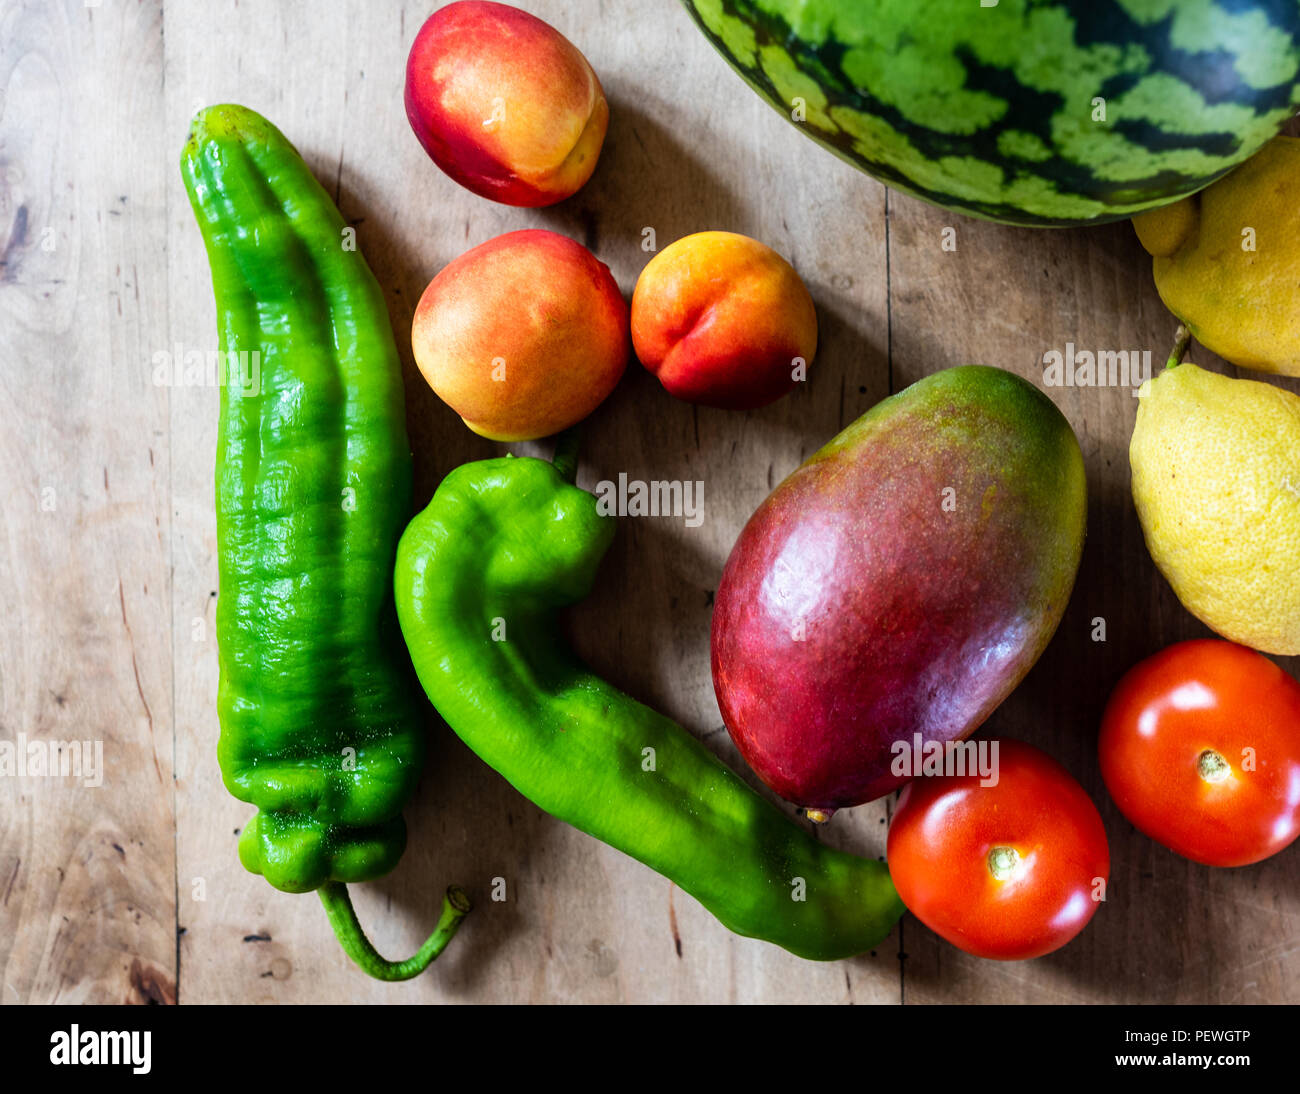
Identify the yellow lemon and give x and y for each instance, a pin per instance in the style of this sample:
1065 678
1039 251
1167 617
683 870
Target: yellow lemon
1216 481
1227 260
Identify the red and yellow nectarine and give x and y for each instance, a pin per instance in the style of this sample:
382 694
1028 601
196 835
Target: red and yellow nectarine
723 320
523 335
504 103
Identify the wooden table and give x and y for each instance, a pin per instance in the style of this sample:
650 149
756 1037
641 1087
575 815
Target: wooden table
131 891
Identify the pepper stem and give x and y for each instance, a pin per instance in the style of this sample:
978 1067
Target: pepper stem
565 459
1182 339
343 918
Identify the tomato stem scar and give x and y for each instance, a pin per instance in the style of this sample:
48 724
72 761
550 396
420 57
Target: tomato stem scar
1004 863
1212 767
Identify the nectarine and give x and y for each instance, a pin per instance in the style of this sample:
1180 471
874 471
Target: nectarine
504 103
523 335
723 320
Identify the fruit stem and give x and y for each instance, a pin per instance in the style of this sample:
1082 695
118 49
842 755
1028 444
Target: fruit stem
1182 339
343 918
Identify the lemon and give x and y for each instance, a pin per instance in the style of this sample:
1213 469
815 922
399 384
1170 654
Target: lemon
1216 481
1227 260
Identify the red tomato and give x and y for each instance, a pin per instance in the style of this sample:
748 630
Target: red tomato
1008 871
1200 748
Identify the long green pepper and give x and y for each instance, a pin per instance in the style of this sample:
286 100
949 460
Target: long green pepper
319 724
481 574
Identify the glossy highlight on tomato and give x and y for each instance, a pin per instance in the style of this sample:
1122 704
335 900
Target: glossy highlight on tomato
1007 871
1200 749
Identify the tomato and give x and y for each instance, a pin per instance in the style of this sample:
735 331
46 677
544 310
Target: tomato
1008 871
1200 748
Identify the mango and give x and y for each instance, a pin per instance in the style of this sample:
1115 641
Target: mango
899 584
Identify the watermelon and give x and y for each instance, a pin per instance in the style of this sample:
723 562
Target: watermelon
1038 112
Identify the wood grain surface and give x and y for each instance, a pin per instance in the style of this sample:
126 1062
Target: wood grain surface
131 891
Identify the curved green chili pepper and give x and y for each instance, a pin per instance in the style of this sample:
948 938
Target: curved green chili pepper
319 723
481 573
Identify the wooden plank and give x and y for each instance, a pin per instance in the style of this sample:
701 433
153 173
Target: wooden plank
86 866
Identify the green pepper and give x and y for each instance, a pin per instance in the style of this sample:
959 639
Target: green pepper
481 574
320 727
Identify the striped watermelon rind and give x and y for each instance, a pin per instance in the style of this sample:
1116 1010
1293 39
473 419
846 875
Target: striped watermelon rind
991 110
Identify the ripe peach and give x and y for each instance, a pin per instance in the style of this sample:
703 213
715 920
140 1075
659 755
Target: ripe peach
504 103
523 335
724 321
